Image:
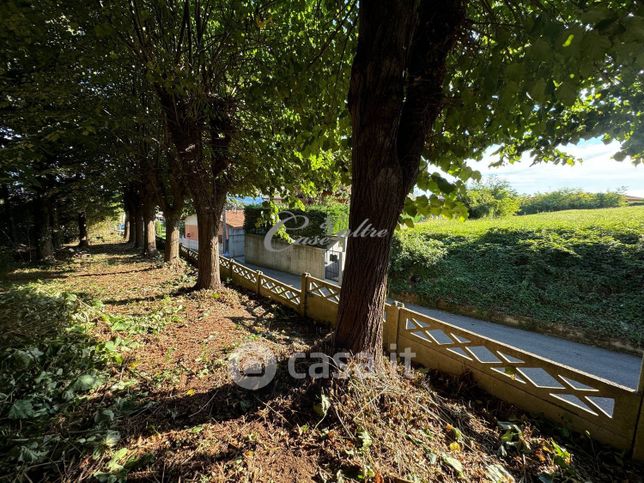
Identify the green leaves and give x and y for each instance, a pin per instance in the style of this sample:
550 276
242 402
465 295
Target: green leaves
85 383
365 439
453 463
322 408
22 409
45 373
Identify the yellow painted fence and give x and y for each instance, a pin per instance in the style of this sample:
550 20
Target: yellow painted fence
611 413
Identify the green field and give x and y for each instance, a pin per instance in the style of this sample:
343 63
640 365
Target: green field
580 270
615 219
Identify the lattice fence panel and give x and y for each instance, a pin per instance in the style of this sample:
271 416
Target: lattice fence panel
324 290
244 272
281 291
580 393
224 262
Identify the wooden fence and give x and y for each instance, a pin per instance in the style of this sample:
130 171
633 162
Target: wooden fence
611 413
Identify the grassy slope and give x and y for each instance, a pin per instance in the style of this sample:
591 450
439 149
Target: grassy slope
617 219
582 269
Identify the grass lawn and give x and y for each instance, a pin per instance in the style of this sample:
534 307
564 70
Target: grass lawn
111 368
579 271
626 219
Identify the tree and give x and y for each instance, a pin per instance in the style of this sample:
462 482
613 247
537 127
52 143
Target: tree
58 153
394 99
433 85
211 65
171 194
492 198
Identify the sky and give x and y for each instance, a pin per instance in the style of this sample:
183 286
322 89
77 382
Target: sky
597 173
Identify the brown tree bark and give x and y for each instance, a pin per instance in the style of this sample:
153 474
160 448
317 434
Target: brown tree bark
131 203
170 194
56 230
171 249
395 95
134 228
139 236
205 178
126 226
83 241
149 234
208 220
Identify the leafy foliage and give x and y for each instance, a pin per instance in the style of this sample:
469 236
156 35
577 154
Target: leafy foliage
52 365
570 199
324 220
528 78
493 198
49 365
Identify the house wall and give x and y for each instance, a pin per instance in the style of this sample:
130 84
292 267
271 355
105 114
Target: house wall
295 259
236 242
190 229
191 232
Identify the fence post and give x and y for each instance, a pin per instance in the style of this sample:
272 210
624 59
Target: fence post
259 282
391 326
638 438
304 284
400 306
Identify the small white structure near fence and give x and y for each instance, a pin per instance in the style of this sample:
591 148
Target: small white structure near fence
324 263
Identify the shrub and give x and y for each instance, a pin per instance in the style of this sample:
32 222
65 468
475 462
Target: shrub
494 198
570 199
323 219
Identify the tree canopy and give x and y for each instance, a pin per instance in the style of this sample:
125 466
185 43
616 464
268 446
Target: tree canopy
151 104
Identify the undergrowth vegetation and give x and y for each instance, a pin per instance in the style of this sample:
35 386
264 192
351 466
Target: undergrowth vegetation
111 369
580 270
54 372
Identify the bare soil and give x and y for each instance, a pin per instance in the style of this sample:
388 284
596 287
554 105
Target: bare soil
190 422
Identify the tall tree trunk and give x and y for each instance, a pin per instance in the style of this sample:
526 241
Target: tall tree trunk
364 280
171 250
44 245
208 220
395 95
206 179
134 228
140 230
83 241
126 226
150 240
57 232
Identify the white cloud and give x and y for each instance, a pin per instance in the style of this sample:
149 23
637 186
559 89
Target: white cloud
597 173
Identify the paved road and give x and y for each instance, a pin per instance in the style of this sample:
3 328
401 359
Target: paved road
618 367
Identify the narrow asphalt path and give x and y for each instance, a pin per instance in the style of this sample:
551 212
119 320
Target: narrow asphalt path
617 367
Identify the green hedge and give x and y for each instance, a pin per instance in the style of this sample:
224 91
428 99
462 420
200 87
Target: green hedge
589 278
323 220
570 199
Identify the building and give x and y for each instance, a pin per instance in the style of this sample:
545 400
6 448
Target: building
231 233
325 262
